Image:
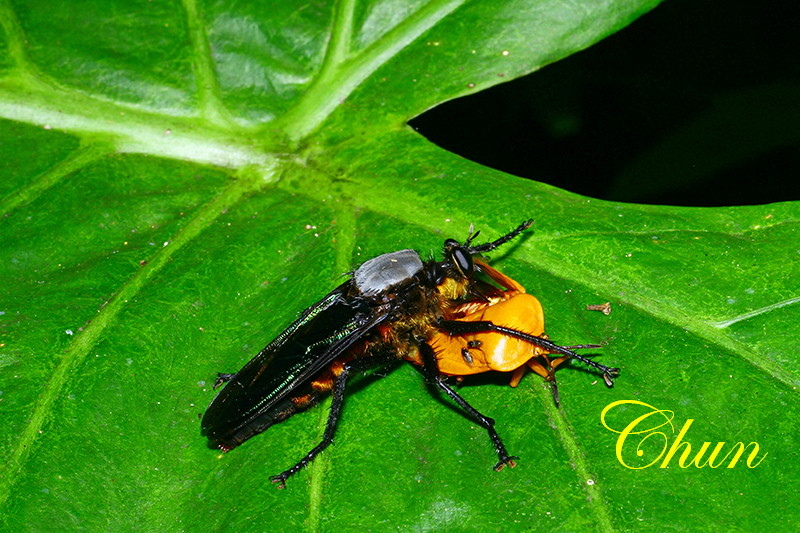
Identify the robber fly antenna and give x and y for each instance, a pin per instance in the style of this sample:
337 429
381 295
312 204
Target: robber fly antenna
471 236
502 240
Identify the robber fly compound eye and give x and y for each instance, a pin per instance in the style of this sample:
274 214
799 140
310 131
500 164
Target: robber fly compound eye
462 260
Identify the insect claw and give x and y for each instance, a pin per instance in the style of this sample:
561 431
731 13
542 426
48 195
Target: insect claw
222 377
280 479
608 376
510 461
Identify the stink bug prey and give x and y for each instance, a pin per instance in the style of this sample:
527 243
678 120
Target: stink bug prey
437 314
511 338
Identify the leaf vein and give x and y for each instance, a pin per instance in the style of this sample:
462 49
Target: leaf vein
83 343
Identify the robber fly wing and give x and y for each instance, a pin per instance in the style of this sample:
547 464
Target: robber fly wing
310 344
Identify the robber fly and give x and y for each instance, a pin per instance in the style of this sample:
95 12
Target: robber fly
391 308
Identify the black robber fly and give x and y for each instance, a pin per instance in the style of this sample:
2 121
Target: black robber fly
389 309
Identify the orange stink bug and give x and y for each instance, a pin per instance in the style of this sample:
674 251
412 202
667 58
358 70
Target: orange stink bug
494 348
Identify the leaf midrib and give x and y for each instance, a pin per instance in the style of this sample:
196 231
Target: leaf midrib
212 136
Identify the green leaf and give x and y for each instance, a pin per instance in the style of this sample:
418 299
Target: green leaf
180 180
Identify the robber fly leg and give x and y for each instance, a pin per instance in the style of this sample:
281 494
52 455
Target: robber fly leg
430 370
489 246
337 394
222 378
457 327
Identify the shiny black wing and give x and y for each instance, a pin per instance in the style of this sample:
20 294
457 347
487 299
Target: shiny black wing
323 332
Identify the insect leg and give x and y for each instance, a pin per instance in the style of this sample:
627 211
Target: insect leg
457 327
489 246
431 372
222 377
339 384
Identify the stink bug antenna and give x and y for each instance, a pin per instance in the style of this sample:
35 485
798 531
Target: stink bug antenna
489 246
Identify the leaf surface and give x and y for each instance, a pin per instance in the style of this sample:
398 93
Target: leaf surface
180 180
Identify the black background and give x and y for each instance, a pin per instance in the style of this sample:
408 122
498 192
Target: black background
695 103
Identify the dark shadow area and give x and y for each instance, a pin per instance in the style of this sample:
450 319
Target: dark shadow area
695 103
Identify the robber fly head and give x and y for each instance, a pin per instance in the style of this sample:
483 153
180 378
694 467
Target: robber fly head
453 276
458 263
